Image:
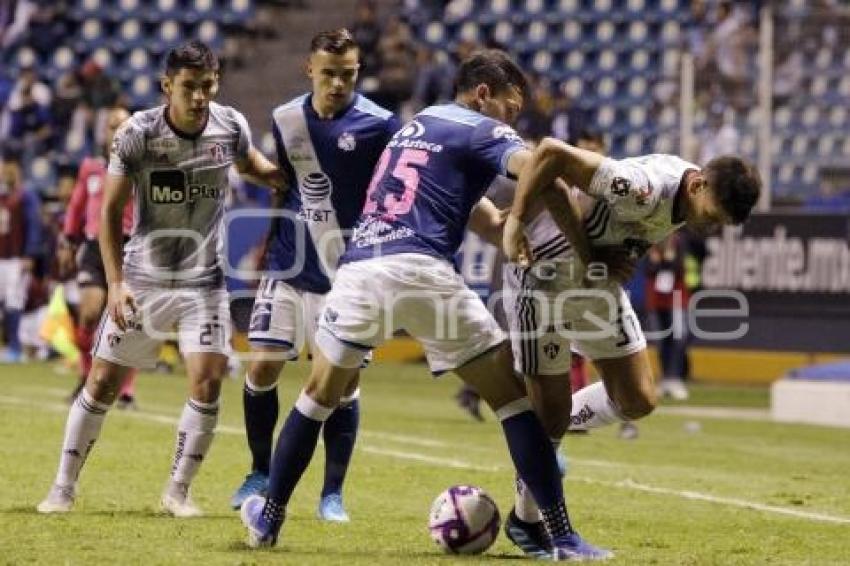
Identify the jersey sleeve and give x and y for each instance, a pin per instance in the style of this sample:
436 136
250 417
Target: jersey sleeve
243 143
127 149
626 188
493 143
393 124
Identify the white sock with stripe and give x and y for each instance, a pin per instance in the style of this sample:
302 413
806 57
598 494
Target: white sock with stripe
85 419
195 433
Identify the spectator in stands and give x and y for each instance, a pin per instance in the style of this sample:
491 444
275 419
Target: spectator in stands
535 121
568 119
397 56
667 300
434 79
30 125
66 99
367 33
720 136
727 52
14 20
19 248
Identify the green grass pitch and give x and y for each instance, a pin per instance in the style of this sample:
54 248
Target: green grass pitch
733 490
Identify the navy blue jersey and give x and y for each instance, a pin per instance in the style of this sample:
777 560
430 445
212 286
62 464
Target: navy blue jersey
433 171
341 155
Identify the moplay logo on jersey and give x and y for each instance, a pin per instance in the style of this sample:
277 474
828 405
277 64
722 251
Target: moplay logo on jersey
168 186
346 141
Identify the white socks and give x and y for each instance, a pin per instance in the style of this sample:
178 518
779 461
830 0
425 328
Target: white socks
593 408
85 420
524 505
195 433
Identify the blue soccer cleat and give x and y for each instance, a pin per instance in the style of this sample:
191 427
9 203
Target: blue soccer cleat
331 509
531 538
256 483
573 547
262 532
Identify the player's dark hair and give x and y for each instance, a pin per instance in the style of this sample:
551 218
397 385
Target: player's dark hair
336 41
736 184
194 55
492 67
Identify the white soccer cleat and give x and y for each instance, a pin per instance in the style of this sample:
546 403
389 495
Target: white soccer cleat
60 499
177 502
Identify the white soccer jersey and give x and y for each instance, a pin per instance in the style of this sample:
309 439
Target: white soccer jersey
629 203
180 183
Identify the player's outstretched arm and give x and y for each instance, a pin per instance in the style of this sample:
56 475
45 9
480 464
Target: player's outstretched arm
257 169
487 221
116 192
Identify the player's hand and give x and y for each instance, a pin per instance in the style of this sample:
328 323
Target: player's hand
121 304
514 242
619 262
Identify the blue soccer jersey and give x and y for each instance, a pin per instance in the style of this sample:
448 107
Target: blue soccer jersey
331 162
433 171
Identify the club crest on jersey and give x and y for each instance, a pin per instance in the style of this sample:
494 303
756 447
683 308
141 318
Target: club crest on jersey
346 141
620 186
551 350
218 152
315 187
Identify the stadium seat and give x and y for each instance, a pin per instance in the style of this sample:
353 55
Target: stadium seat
458 11
605 116
236 12
810 174
143 90
637 117
799 145
42 174
825 145
104 58
503 33
199 10
126 9
634 144
85 9
137 62
638 32
846 148
573 87
469 31
435 33
748 145
838 117
781 117
605 31
163 10
535 35
61 61
574 61
810 116
493 11
542 61
607 61
130 35
639 60
208 32
90 36
169 34
24 57
570 34
819 86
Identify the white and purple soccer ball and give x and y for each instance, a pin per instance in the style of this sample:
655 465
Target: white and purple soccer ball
464 520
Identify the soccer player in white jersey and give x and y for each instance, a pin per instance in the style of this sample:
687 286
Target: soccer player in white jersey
329 141
397 272
555 300
173 160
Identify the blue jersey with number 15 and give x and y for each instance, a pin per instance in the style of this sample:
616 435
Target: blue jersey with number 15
431 174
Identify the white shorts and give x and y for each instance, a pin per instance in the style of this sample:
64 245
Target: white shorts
284 317
14 283
199 319
549 311
373 298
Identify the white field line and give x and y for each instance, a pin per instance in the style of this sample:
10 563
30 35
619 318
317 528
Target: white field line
726 413
462 464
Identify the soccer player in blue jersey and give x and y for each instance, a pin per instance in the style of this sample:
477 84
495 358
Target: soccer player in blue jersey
397 272
328 141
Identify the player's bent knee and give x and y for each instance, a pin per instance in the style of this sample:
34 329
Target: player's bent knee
265 373
641 403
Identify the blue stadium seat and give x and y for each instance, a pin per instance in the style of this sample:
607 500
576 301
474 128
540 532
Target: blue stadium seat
529 11
104 58
169 34
503 33
534 37
62 61
91 35
542 61
126 9
493 11
143 91
469 31
24 56
42 174
199 10
163 10
671 33
570 35
208 32
85 9
137 62
435 33
237 12
130 34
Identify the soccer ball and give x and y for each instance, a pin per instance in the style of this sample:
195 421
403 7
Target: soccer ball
464 520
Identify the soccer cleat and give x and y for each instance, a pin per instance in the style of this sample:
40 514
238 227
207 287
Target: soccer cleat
531 538
470 401
177 502
127 403
262 532
574 548
10 356
331 509
256 483
628 431
60 499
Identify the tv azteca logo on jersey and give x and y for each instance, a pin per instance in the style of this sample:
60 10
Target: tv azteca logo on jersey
170 187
